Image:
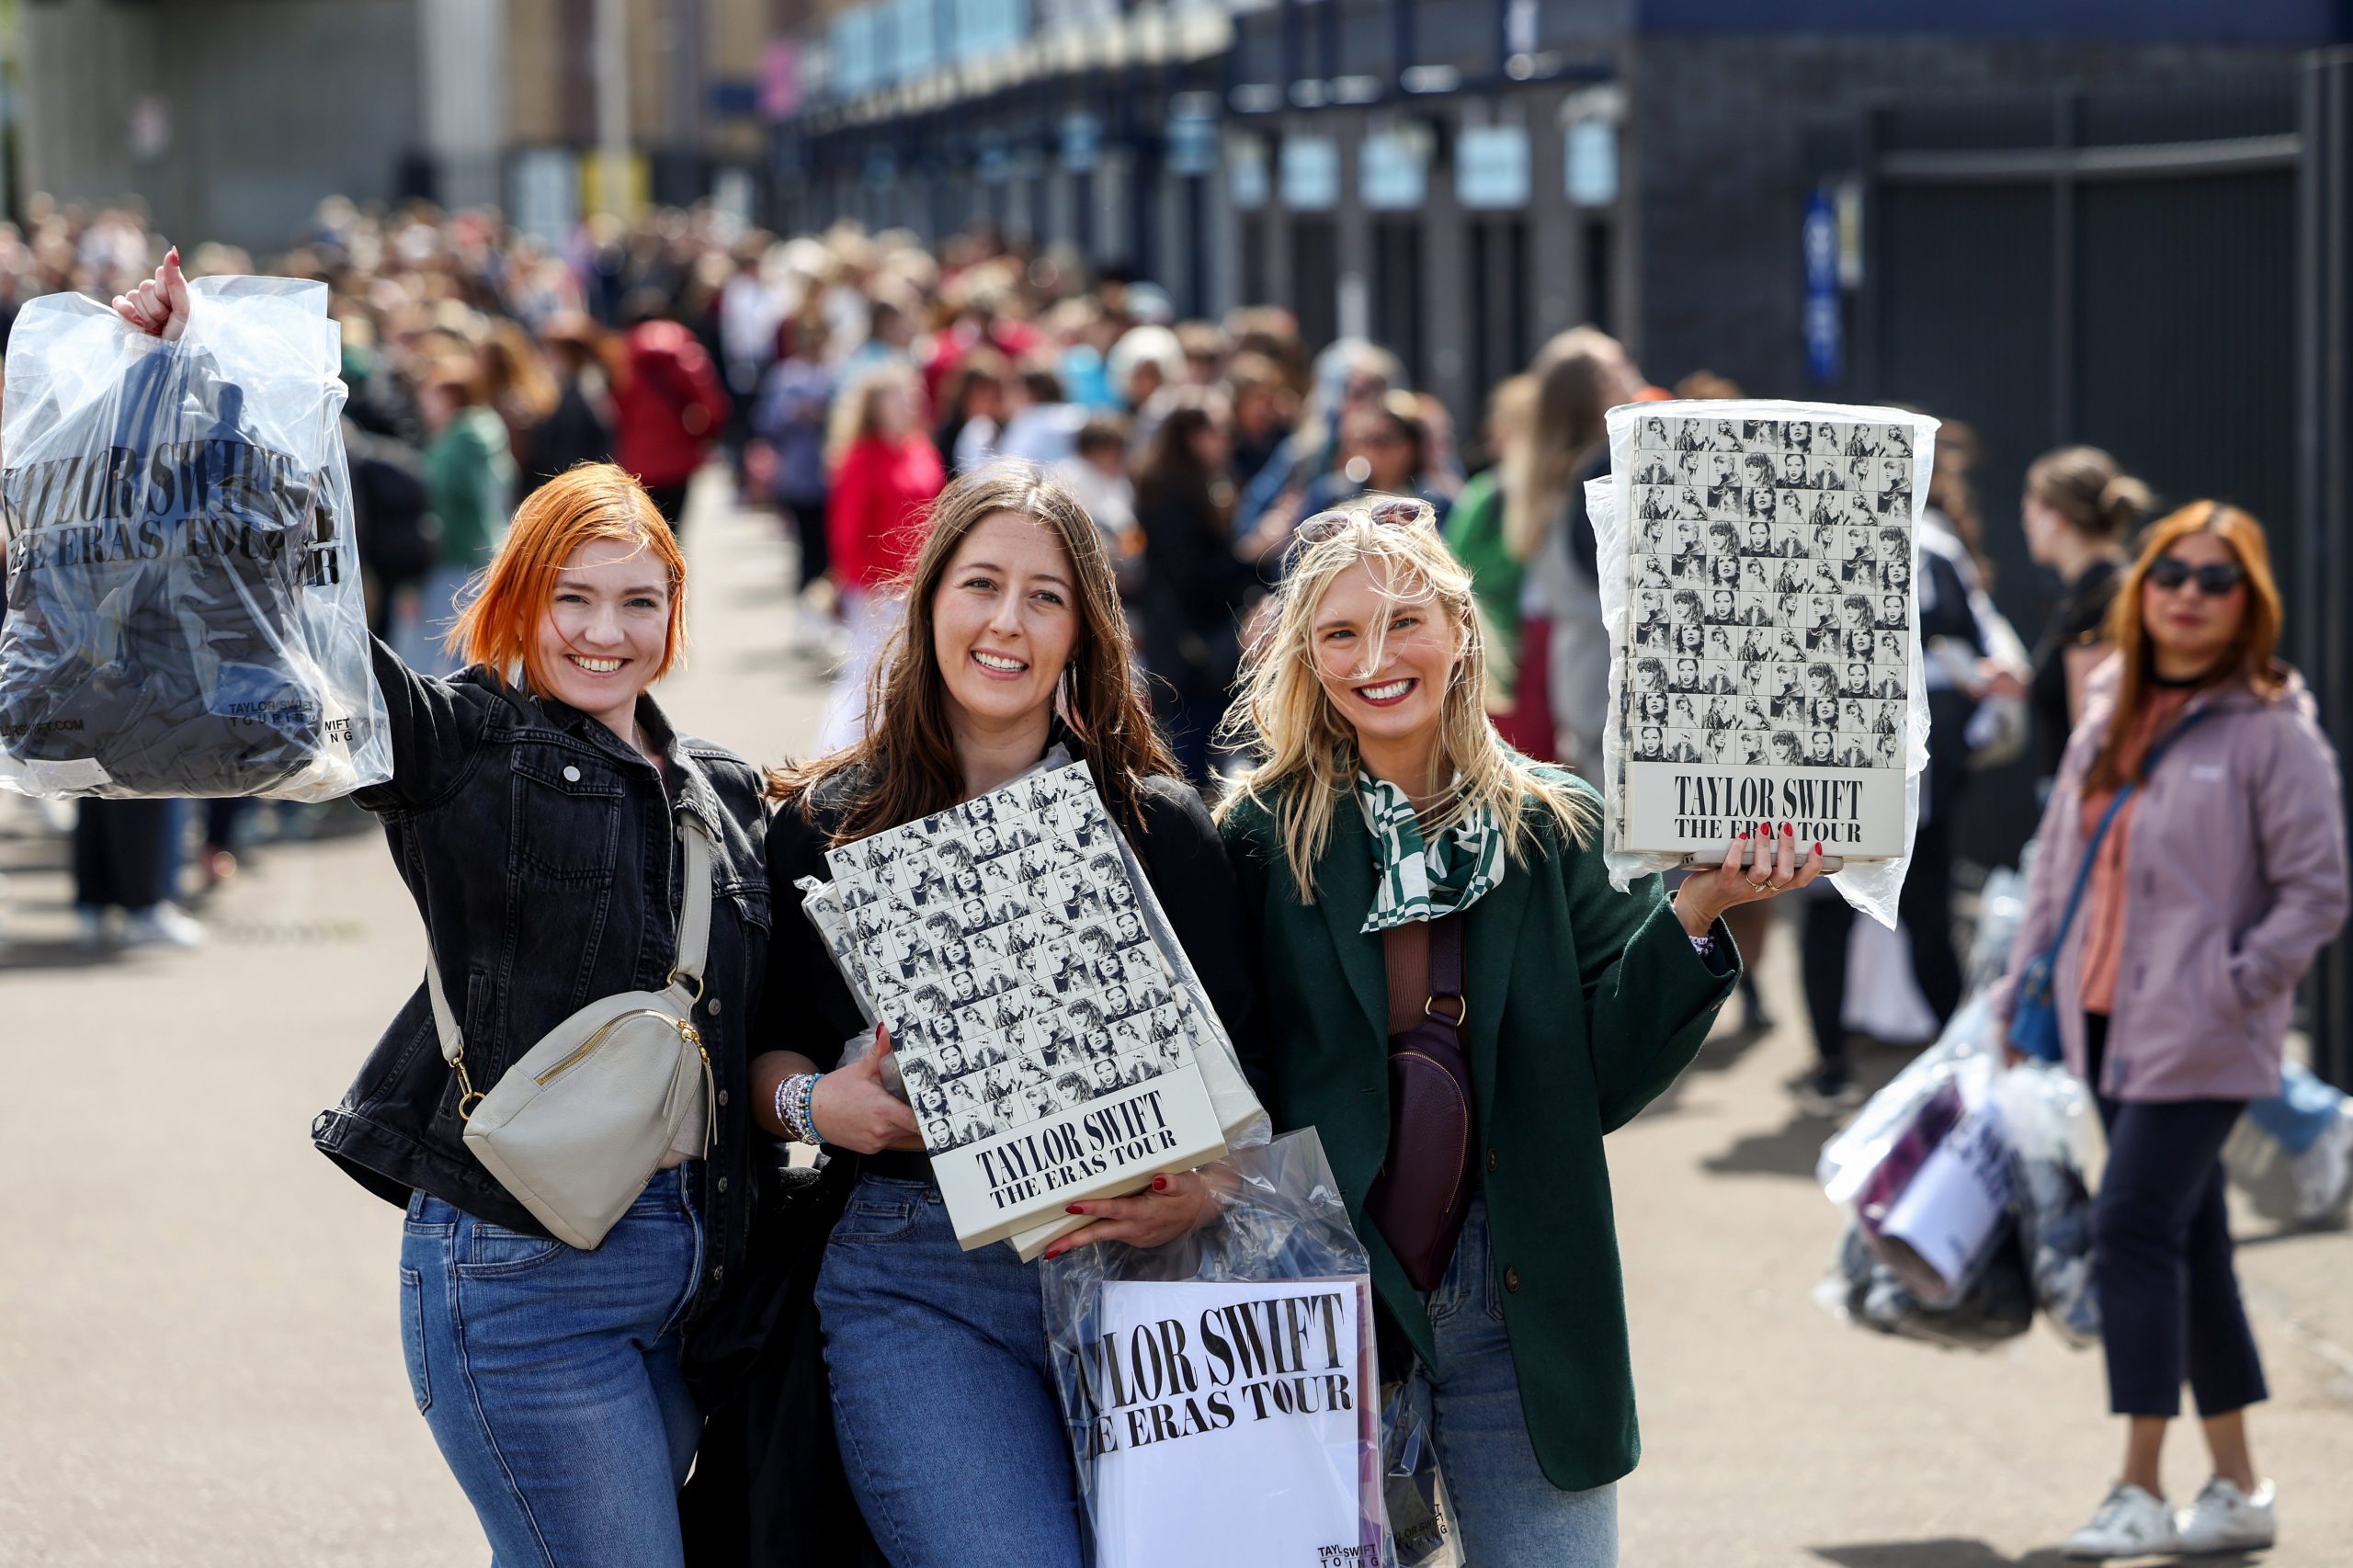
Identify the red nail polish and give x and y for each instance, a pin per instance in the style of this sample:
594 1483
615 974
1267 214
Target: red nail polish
1817 847
1787 832
1074 1209
1160 1184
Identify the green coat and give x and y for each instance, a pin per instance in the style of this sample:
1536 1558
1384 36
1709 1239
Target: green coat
1583 1005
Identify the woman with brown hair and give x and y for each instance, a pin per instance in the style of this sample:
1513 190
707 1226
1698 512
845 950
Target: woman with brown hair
1014 642
2197 819
1191 603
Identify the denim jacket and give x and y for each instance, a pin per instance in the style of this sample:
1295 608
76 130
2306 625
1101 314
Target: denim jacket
543 855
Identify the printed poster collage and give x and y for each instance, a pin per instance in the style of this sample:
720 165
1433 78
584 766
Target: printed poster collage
1003 942
1770 566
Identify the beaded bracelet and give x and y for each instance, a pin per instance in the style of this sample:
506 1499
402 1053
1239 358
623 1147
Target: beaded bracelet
807 1112
784 1106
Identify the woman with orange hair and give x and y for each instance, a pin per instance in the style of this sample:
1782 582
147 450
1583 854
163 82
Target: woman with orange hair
538 810
2192 862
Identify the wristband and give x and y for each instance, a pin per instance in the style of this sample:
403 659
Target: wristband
1703 945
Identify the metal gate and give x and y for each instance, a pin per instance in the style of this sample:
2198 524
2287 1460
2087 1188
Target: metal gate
2163 274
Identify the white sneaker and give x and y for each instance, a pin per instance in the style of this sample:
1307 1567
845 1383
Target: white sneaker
2324 1172
163 926
90 927
2129 1523
2227 1519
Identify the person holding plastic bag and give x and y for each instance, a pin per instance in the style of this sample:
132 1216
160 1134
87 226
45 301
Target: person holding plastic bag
528 808
1401 864
942 1395
2191 863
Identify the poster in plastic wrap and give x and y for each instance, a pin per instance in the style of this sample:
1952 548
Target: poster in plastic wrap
1260 1395
1042 1038
1764 626
184 613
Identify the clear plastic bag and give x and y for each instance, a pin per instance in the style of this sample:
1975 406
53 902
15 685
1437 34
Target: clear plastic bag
1871 885
2048 1113
1237 1363
185 611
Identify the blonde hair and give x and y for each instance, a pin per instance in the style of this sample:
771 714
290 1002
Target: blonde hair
853 415
1307 750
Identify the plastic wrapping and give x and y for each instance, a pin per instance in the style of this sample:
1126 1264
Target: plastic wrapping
2048 1113
1869 885
1236 1363
185 611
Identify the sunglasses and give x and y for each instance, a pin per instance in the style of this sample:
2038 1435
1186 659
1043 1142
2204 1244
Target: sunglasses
2213 579
1396 512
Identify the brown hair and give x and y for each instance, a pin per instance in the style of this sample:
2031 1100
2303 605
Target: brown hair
2250 654
1572 387
907 767
499 625
2085 485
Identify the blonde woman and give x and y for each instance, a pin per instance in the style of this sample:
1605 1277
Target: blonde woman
1387 838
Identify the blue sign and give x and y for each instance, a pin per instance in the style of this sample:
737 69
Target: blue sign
1824 328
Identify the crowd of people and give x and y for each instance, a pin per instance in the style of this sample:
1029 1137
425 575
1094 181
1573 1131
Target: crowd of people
847 383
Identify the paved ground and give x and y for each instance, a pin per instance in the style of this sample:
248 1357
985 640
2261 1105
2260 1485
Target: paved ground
199 1358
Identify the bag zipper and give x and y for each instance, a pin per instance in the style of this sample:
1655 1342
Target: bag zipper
687 1032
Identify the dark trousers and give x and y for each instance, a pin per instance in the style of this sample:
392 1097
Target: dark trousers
807 515
2169 1304
126 853
1926 908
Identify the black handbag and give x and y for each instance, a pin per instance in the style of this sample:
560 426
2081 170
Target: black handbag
1423 1194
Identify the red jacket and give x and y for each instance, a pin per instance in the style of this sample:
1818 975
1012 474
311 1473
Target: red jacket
669 404
875 514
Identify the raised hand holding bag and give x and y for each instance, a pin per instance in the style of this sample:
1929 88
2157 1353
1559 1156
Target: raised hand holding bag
2034 1015
574 1129
1423 1194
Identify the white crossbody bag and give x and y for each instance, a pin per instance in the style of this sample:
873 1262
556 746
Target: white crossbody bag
575 1127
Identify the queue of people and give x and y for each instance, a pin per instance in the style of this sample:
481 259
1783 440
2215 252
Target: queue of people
1032 513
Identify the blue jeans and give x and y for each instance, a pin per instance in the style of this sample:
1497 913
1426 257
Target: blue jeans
950 1429
2301 1112
1507 1514
550 1375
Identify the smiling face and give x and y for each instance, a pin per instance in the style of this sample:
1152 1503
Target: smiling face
1004 621
1385 658
605 631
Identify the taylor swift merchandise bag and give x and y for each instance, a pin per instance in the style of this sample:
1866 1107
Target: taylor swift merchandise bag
1223 1392
185 610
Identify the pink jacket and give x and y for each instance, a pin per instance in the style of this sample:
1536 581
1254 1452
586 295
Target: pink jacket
2235 877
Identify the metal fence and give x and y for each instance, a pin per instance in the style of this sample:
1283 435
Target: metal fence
2165 276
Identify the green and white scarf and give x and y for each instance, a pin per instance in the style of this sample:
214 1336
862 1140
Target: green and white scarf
1418 880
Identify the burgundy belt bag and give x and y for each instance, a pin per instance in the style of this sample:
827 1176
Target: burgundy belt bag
1424 1191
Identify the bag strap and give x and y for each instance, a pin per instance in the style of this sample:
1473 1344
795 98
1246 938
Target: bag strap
694 951
1446 969
2091 848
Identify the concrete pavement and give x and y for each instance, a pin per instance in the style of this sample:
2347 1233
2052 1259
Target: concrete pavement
199 1352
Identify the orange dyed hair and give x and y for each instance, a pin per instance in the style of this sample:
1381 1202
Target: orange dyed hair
2249 657
499 626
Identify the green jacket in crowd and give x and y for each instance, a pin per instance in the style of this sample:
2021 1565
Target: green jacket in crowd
1474 532
1584 1003
470 475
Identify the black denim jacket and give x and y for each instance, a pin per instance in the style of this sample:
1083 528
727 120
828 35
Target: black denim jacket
543 855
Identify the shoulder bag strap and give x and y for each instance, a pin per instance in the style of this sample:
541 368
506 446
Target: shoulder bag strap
694 951
1446 969
2091 849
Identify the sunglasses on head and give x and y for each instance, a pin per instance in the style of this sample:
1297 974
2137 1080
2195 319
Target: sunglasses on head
2214 579
1400 511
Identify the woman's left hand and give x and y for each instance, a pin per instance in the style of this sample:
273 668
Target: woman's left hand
160 306
1706 894
1172 1205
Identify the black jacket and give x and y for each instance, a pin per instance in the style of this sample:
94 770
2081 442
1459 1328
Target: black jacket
768 1486
157 589
542 855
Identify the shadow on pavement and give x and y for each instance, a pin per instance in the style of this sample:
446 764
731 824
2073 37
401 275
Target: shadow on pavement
1952 1553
